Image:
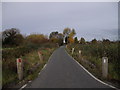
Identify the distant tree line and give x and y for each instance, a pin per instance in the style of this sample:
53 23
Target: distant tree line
12 37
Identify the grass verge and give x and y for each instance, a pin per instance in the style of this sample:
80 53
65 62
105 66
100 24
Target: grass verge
32 66
91 59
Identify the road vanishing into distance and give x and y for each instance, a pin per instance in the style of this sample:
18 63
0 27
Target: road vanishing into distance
62 71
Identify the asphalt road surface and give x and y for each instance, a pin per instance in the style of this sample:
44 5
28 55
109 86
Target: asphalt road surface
62 71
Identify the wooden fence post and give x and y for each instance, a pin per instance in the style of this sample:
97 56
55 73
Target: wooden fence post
104 67
40 56
20 68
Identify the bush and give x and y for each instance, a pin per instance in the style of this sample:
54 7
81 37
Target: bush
37 38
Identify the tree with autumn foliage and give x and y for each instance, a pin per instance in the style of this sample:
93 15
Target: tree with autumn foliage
56 37
68 35
71 35
37 38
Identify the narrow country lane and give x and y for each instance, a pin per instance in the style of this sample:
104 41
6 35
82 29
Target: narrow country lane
62 71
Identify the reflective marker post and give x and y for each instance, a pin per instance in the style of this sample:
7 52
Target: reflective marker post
66 46
104 67
79 54
20 68
73 50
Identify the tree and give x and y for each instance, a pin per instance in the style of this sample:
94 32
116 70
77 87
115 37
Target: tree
10 37
68 35
94 41
76 40
73 32
60 37
56 37
82 41
37 38
19 40
53 35
106 41
66 32
70 40
71 35
54 40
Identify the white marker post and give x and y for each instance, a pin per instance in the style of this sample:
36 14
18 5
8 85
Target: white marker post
66 46
79 54
73 50
20 68
104 67
40 56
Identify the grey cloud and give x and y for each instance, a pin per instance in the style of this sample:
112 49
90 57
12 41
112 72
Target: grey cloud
91 20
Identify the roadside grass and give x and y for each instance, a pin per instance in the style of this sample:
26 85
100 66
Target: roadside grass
91 59
32 66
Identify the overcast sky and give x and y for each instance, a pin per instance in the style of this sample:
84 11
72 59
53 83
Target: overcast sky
89 19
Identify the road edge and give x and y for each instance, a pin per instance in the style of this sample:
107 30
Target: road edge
38 73
91 74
